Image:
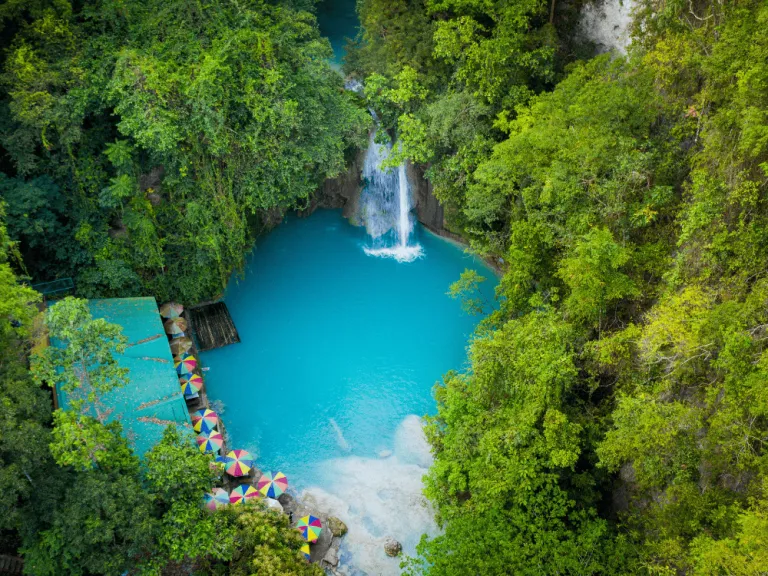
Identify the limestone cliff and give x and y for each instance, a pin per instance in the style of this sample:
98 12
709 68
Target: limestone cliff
343 191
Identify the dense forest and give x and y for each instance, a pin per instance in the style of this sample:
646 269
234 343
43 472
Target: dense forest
614 418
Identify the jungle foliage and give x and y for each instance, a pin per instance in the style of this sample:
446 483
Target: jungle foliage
75 497
615 416
143 147
146 144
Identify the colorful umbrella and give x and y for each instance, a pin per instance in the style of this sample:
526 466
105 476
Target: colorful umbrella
210 442
204 420
191 384
175 326
243 494
305 551
217 498
272 485
181 345
239 463
185 364
310 527
221 461
171 310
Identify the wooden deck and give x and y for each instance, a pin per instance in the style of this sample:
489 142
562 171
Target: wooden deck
212 326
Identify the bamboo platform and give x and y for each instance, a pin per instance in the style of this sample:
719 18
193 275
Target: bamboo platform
212 326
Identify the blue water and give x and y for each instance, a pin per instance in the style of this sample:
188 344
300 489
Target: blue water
338 21
339 350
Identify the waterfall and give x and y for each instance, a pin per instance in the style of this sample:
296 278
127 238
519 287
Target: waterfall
386 207
606 23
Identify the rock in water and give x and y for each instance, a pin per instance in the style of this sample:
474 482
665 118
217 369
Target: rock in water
336 526
331 557
392 547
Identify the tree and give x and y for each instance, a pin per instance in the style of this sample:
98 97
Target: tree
81 359
266 543
81 362
592 272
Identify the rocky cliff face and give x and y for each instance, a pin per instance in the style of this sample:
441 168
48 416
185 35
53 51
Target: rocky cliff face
343 191
428 210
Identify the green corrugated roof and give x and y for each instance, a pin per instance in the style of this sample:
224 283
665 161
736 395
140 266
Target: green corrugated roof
152 399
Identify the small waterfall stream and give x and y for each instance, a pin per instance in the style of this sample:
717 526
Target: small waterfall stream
386 207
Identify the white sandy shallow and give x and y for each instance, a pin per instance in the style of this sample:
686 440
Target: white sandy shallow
378 498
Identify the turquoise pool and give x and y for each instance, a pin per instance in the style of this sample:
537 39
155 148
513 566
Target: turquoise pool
338 356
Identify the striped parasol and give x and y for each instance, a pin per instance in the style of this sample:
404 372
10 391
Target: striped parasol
310 528
243 494
205 420
305 551
272 485
239 463
171 310
210 441
185 364
216 498
191 384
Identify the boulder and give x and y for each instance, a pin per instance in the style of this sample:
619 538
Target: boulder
273 504
288 502
392 547
331 557
336 526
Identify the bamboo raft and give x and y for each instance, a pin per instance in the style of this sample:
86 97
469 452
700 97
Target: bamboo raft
212 326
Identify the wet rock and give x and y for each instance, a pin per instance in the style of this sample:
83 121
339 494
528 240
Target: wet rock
331 557
336 526
343 191
428 210
288 502
324 543
392 547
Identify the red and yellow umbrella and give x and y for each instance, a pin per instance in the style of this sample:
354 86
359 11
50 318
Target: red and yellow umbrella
204 420
175 326
272 485
243 494
185 364
210 441
191 384
239 463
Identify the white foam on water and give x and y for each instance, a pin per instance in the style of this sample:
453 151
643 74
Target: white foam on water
607 24
354 85
399 253
378 498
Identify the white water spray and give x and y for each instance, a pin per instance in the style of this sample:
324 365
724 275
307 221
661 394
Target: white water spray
377 498
386 204
606 23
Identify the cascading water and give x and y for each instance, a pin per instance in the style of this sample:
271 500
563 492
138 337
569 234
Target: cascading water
386 207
